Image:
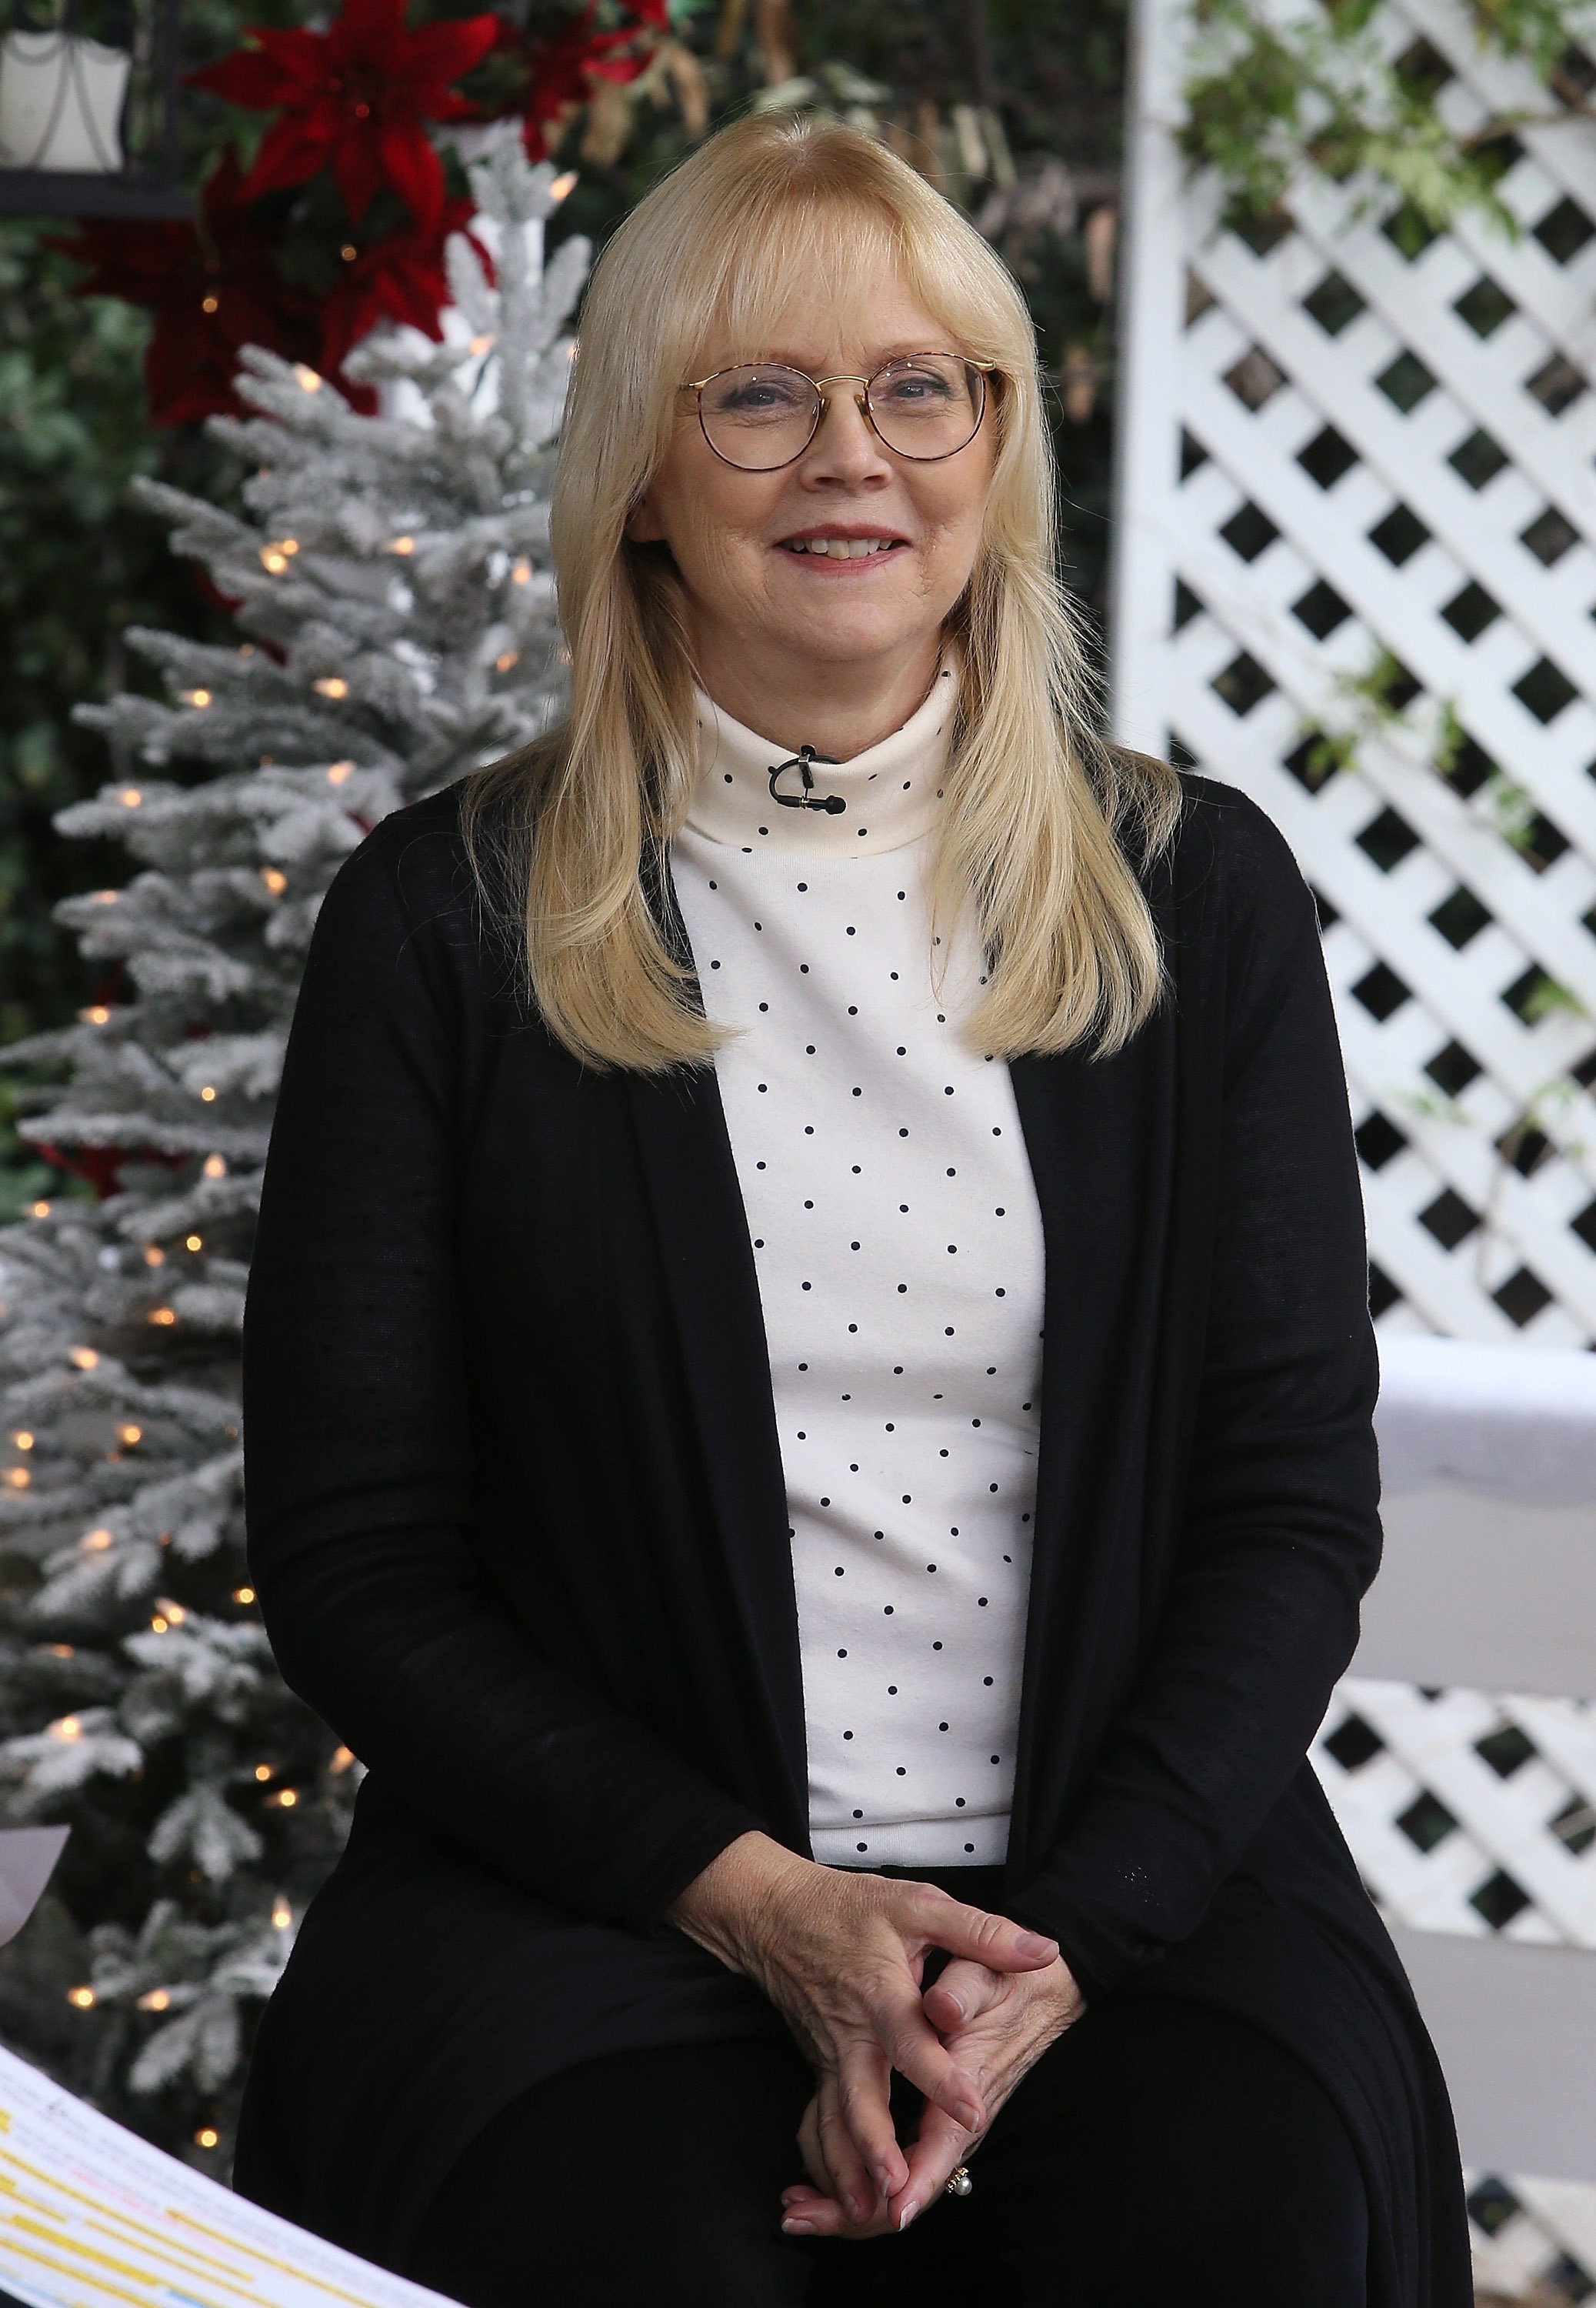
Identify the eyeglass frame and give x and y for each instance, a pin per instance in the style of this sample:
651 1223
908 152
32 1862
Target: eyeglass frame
695 386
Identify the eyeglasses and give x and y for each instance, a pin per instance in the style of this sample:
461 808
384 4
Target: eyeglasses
763 415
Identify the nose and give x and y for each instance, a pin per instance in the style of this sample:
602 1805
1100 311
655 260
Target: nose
845 441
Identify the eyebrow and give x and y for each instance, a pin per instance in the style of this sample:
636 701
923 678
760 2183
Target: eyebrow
891 352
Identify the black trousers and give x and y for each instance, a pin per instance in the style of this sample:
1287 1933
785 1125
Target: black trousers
1158 2155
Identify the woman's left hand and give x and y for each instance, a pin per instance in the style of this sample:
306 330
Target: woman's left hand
997 2025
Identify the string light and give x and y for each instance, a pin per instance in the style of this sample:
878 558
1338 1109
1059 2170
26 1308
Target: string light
338 773
175 1614
106 897
130 797
62 1650
307 379
196 697
282 1914
209 304
215 1165
562 184
65 1727
97 1015
349 251
18 1478
342 1757
84 1357
158 1999
41 1209
522 572
206 2137
163 1316
272 562
157 1625
95 1542
208 1093
23 1439
510 656
332 684
130 1434
244 1595
286 1796
481 345
194 1242
275 879
154 1255
83 1997
262 1770
402 545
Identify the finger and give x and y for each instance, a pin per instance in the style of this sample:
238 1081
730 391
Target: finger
961 1993
856 2163
861 2085
991 1939
940 2147
918 2052
809 2145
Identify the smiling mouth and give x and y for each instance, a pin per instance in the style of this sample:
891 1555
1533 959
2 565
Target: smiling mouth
845 548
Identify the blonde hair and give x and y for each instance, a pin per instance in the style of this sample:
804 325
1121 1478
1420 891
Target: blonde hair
1037 806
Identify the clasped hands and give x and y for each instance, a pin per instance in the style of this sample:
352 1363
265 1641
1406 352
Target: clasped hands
843 1956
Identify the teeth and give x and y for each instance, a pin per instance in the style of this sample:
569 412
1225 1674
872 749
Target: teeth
840 548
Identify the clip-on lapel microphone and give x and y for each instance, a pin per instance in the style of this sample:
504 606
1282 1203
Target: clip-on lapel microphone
832 804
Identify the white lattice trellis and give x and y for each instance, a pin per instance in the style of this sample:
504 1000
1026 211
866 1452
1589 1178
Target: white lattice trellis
1334 449
1352 450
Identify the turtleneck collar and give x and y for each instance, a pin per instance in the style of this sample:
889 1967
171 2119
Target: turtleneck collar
892 790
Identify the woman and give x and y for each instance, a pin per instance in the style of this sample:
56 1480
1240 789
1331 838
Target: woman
830 1754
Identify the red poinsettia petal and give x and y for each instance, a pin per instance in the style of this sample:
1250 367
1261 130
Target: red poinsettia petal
410 165
282 67
373 30
293 149
438 53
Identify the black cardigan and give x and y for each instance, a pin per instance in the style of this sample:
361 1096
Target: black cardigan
516 1522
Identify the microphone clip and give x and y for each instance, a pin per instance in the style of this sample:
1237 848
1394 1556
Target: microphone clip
832 804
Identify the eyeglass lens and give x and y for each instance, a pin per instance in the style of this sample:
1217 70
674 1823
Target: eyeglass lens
763 415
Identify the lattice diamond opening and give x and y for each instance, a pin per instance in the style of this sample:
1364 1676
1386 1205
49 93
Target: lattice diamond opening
1384 528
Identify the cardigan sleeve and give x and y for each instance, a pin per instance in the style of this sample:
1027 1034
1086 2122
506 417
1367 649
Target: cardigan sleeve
357 1455
1279 1535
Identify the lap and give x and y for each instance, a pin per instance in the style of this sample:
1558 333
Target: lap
1158 2151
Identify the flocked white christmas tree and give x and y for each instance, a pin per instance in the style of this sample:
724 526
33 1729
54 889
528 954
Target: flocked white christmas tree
393 591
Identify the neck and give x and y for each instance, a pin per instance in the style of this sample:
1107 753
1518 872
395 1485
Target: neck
839 707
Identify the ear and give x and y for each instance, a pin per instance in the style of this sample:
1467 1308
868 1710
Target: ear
642 522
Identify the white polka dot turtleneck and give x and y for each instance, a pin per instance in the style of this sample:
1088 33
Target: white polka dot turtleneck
899 1255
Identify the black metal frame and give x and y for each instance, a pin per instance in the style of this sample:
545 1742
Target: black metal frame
150 190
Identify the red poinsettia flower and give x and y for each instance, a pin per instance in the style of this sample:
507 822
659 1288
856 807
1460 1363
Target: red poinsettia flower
353 99
213 287
399 278
564 67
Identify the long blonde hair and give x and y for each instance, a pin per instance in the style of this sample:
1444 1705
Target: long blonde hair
1038 808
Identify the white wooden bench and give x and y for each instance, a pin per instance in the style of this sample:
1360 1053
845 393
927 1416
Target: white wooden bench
1489 1463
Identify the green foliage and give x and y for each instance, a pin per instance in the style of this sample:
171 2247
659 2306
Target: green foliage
1265 100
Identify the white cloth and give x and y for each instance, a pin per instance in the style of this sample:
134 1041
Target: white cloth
899 1253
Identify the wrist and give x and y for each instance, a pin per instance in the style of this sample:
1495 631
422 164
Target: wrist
728 1903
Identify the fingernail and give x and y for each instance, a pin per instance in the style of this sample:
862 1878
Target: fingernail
797 2228
1033 1943
907 2214
965 2112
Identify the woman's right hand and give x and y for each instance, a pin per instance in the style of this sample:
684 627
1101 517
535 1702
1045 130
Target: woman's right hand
842 1956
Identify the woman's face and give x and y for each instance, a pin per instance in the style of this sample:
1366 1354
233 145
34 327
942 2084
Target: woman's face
750 595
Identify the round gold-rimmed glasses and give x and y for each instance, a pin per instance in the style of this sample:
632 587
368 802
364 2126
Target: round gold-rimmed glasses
763 414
